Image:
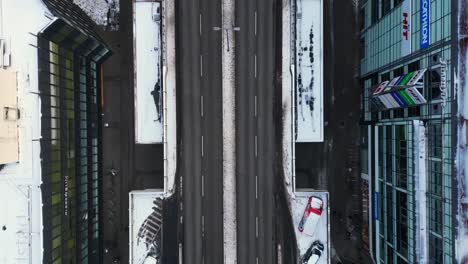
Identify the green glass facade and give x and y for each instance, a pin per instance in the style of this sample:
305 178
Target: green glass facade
69 72
397 234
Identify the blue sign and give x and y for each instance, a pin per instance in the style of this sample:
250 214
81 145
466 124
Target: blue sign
425 31
376 205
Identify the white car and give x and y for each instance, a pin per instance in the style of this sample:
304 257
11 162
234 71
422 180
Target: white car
313 254
312 214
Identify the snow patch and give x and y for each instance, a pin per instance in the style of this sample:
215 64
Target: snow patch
287 94
148 71
461 83
169 97
309 65
229 137
102 12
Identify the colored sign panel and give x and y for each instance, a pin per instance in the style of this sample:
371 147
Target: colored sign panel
394 81
425 23
385 102
416 95
376 205
406 97
406 28
397 98
380 88
416 77
391 100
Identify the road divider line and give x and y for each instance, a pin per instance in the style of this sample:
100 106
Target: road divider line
202 186
256 226
255 106
180 253
200 24
256 187
201 65
201 106
255 63
256 146
202 146
255 23
203 225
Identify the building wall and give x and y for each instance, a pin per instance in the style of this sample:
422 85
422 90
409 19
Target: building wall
20 194
405 228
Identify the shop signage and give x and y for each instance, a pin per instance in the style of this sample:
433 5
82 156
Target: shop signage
65 195
425 23
380 88
443 82
376 205
416 96
401 91
406 28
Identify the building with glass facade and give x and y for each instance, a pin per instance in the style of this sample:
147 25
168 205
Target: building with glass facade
409 57
70 55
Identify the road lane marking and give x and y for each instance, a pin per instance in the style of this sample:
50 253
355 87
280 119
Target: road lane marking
201 105
255 106
202 186
202 146
200 24
256 187
255 71
203 225
280 254
255 23
201 65
256 146
180 253
256 226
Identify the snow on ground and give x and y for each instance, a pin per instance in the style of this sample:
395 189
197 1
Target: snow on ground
20 193
229 138
299 202
99 10
288 142
420 174
142 207
309 78
148 71
461 80
169 97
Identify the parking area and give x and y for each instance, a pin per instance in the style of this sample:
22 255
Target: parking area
319 232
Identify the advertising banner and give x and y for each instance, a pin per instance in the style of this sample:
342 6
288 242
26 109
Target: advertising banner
416 95
406 28
425 23
380 88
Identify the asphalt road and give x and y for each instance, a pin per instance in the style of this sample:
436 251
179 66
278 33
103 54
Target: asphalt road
200 120
255 131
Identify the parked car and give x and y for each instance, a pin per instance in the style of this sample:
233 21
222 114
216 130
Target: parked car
313 254
312 214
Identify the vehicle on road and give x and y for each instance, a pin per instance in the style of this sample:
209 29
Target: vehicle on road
313 254
312 214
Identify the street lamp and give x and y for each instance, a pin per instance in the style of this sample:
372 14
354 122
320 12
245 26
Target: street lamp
233 28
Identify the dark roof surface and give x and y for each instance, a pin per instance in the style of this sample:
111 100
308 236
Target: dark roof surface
75 16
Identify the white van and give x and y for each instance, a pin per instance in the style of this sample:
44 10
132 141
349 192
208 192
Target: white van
312 214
